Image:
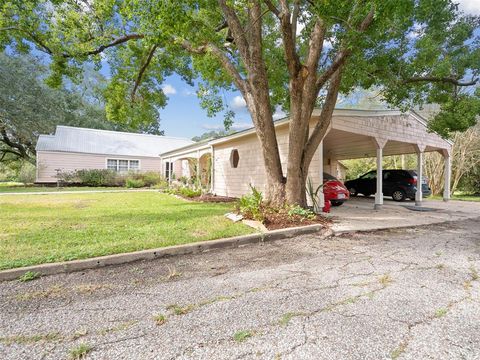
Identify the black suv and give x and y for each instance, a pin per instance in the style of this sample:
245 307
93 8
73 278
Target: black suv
399 184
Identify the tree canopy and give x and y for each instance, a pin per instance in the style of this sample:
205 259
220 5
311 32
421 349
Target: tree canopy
290 53
28 108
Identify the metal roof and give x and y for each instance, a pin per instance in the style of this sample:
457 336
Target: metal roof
93 141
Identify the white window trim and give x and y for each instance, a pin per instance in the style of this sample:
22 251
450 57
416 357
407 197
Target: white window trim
116 159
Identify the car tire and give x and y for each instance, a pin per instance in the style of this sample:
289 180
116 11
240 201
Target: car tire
336 203
353 191
399 195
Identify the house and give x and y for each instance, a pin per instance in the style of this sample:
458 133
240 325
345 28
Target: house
229 165
72 148
236 160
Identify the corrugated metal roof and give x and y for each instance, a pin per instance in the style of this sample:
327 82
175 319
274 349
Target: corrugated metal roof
83 140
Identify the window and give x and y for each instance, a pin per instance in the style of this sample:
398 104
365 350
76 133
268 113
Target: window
112 164
123 165
168 169
369 176
134 164
234 158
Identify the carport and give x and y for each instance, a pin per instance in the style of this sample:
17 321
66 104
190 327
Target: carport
357 134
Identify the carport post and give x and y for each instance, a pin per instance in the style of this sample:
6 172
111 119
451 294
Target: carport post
448 174
418 194
321 196
380 143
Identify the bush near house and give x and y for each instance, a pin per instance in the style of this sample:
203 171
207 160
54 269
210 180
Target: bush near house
104 177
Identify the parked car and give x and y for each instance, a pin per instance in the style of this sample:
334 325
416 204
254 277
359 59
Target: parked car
334 190
399 184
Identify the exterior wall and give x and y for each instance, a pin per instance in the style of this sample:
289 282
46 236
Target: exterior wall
49 161
234 182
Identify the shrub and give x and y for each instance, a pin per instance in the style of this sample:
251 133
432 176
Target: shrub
151 178
26 173
97 177
134 183
298 211
189 192
250 206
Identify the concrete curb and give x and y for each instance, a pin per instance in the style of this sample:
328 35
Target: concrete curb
193 248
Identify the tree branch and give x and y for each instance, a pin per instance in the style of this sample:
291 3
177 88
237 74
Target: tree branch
452 80
291 56
272 7
115 42
142 71
344 53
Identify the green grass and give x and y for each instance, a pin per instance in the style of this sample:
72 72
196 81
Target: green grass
50 228
19 188
458 196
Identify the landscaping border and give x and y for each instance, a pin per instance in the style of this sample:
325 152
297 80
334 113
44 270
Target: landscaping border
192 248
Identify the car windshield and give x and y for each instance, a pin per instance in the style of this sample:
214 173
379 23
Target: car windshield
369 175
327 176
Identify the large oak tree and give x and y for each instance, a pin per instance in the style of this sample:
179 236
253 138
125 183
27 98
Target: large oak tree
290 53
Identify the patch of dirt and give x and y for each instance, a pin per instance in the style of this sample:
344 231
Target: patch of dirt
212 198
278 220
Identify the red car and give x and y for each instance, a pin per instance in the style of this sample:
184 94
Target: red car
334 190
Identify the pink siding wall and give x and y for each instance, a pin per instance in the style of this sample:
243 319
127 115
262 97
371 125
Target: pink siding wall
234 182
49 161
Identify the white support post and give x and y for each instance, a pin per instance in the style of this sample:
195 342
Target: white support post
448 174
379 193
212 170
419 193
380 144
198 167
321 196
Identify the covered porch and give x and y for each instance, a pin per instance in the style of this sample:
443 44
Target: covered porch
192 162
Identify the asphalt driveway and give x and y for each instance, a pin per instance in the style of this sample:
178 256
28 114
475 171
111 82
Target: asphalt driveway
406 294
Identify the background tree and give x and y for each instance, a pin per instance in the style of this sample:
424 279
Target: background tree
29 108
294 54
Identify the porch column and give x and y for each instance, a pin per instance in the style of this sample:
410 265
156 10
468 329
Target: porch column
321 196
448 175
380 144
212 170
198 168
419 194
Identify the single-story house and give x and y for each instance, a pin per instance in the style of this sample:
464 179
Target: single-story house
236 160
231 163
73 148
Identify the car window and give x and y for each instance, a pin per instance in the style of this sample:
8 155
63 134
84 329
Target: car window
327 176
369 175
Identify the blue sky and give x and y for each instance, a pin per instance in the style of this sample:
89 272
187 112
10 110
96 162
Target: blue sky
184 117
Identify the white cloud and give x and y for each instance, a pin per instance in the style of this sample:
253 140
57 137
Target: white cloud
471 7
238 103
279 113
168 89
188 92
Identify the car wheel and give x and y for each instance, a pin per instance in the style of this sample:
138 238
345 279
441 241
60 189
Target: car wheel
336 203
353 191
399 195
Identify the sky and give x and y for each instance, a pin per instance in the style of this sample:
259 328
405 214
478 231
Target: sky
184 117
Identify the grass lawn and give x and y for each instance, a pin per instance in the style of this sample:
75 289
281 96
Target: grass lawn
50 228
9 188
463 197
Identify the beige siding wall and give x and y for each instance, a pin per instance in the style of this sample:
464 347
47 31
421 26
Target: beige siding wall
49 161
234 182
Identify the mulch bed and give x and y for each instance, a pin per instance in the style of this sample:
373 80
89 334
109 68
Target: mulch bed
276 221
209 198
